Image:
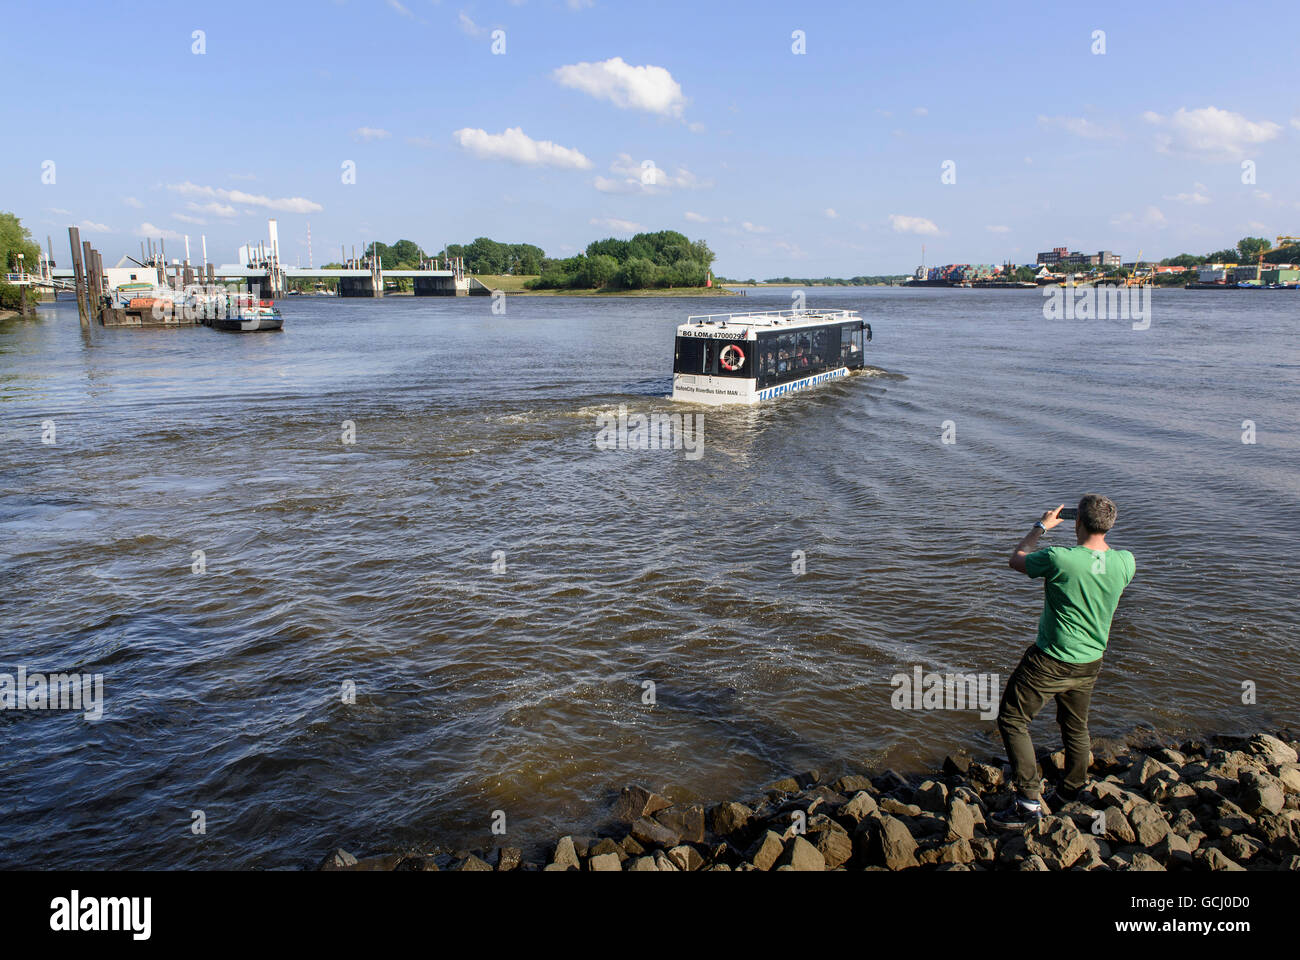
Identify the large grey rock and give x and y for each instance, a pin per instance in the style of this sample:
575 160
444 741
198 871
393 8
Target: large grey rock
1149 824
893 845
933 796
862 805
1261 793
802 856
652 833
1118 830
1173 851
643 865
831 840
1147 769
1211 858
764 851
636 802
853 784
898 808
728 818
1057 840
1271 750
685 821
566 854
605 862
961 820
685 858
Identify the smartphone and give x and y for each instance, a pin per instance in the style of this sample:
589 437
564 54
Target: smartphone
1069 513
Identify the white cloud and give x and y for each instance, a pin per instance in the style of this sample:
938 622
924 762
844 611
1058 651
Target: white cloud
370 133
831 214
997 228
754 228
621 226
644 177
580 4
132 202
647 88
1078 126
1195 198
186 218
147 229
90 226
1295 122
59 211
694 217
213 207
400 8
1219 134
920 112
469 26
517 147
1151 218
281 204
905 224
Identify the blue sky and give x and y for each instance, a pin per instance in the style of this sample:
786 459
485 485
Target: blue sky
828 162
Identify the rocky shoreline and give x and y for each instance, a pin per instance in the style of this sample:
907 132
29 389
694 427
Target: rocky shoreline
1220 804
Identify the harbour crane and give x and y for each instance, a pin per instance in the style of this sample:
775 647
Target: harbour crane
1281 242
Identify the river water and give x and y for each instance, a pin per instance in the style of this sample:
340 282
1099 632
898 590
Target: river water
497 591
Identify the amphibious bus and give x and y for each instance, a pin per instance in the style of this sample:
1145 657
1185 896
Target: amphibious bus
750 357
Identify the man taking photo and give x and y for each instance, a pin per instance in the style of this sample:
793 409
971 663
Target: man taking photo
1081 588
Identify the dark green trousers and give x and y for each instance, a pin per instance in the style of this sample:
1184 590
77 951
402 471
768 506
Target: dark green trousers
1038 677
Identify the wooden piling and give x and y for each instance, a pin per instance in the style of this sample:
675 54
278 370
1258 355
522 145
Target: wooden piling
79 276
92 294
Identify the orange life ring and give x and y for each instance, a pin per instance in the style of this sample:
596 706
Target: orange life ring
723 357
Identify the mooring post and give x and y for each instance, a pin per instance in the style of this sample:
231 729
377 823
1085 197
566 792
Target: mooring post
92 295
79 276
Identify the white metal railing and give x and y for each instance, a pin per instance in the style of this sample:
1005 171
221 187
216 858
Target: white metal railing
804 314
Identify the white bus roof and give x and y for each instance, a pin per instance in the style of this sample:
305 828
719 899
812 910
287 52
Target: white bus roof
768 319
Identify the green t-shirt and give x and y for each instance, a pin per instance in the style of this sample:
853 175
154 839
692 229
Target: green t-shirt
1081 589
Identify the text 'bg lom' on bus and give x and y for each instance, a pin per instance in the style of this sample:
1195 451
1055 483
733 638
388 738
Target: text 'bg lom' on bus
749 357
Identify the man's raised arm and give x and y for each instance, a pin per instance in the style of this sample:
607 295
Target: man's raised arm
1029 543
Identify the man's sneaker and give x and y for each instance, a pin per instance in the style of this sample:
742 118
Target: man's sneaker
1058 795
1021 813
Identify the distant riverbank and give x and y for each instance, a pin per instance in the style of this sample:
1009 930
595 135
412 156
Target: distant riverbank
515 285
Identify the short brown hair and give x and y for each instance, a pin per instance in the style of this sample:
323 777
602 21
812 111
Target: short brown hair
1097 513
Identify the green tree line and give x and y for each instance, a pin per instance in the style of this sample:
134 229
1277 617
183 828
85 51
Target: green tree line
1247 250
662 259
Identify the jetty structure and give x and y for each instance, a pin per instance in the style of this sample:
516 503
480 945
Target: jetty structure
105 294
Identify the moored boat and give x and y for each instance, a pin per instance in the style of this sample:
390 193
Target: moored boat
245 315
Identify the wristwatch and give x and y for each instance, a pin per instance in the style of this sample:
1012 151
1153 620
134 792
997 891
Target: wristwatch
1040 525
